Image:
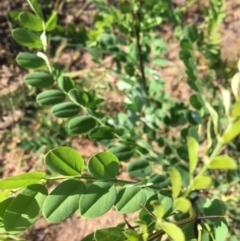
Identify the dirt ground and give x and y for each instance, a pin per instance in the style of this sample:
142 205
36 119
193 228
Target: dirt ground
14 160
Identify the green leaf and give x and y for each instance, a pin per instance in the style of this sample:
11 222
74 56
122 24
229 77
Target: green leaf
202 182
27 38
21 180
50 97
78 97
236 110
139 168
31 21
132 235
103 165
81 124
220 229
4 194
193 117
129 199
89 237
102 133
110 234
159 210
235 84
36 8
160 62
176 181
13 14
63 201
65 83
25 209
30 61
65 161
232 131
182 204
193 147
226 96
196 101
214 116
99 199
122 152
3 207
173 231
39 79
52 21
65 110
223 162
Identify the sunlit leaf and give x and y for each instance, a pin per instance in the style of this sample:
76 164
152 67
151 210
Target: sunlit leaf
182 204
25 209
173 231
65 161
226 96
193 147
104 165
235 84
232 131
52 21
214 116
202 182
223 162
176 181
36 8
158 208
31 21
21 180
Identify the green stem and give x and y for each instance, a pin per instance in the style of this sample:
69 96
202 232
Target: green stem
137 25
